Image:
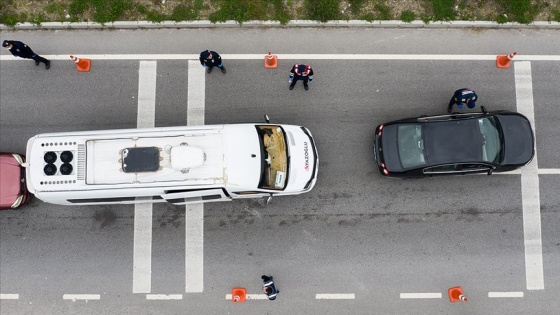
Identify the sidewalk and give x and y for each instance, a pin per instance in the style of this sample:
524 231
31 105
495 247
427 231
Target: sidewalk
291 24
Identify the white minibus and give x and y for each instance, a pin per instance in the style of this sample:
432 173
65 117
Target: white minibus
179 165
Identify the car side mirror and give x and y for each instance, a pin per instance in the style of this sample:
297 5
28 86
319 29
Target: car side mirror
268 199
490 171
483 109
266 119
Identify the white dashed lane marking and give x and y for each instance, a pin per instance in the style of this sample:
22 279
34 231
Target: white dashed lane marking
250 297
164 296
505 294
335 296
420 295
9 296
86 297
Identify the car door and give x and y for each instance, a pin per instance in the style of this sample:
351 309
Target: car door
470 168
444 169
249 194
458 169
182 197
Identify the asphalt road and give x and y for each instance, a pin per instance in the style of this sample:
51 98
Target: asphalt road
355 233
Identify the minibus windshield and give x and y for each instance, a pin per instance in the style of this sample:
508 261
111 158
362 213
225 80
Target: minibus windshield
274 157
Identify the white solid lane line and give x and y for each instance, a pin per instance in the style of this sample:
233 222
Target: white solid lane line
147 75
549 171
75 297
196 93
9 296
540 171
142 264
194 214
530 185
421 296
164 296
297 57
194 248
505 294
335 296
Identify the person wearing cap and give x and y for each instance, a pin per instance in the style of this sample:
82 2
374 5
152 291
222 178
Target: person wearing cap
300 72
462 97
269 287
19 49
211 59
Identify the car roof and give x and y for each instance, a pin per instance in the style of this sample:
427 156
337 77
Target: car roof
453 141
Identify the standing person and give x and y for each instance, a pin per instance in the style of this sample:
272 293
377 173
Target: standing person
462 97
269 287
300 72
19 49
210 59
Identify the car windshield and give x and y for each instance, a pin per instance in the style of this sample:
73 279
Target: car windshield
454 141
491 143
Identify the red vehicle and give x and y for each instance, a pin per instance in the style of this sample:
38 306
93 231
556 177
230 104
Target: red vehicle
13 190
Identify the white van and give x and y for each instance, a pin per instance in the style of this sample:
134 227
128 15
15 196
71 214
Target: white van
179 165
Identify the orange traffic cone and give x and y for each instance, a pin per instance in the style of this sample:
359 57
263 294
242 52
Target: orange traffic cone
82 65
502 61
238 294
456 294
270 61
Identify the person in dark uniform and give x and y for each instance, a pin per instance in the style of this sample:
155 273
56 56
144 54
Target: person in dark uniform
462 97
210 59
21 50
300 72
269 287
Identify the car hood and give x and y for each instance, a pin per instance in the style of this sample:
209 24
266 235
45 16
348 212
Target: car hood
303 167
519 142
9 181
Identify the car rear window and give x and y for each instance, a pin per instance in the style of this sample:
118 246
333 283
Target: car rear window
411 146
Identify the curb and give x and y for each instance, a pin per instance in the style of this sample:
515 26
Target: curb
276 24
